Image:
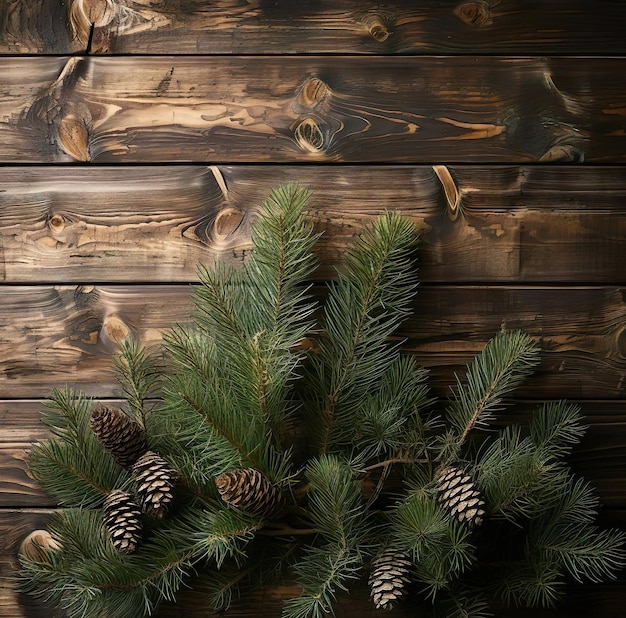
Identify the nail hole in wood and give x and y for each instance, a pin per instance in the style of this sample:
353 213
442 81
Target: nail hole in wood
56 223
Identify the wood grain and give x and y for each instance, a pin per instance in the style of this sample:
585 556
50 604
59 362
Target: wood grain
313 109
52 335
320 26
131 223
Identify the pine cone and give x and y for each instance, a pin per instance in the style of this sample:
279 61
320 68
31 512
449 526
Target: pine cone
122 436
389 578
155 481
122 519
251 491
457 493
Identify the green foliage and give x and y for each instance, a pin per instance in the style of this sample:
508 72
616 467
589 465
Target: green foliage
139 374
365 305
344 427
503 364
440 547
72 465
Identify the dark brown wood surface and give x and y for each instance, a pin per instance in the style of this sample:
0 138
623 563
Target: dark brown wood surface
491 224
305 26
139 137
52 335
313 109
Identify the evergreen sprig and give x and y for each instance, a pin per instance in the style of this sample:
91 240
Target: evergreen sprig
139 373
341 447
365 305
502 365
72 465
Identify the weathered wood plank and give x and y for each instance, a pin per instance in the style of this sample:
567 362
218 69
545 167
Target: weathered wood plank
17 488
52 335
124 224
313 109
321 26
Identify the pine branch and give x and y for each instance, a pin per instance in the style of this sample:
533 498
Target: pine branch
365 305
556 427
586 552
72 465
335 501
337 511
391 421
502 365
281 262
511 470
139 374
465 603
441 549
88 576
536 583
322 573
213 410
256 316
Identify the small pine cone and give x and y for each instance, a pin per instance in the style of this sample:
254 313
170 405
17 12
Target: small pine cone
122 436
154 481
251 491
457 493
122 519
389 578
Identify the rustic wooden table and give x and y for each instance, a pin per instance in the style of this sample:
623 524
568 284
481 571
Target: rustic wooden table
138 137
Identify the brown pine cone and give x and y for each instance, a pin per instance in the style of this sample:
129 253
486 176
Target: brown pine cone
122 519
122 436
154 482
389 578
251 491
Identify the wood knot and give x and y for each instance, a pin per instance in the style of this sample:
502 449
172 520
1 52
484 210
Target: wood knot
475 14
227 222
379 25
37 546
450 190
73 137
114 332
83 14
84 295
313 92
563 153
56 223
309 136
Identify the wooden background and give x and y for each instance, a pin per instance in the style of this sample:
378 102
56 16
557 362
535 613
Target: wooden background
137 137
